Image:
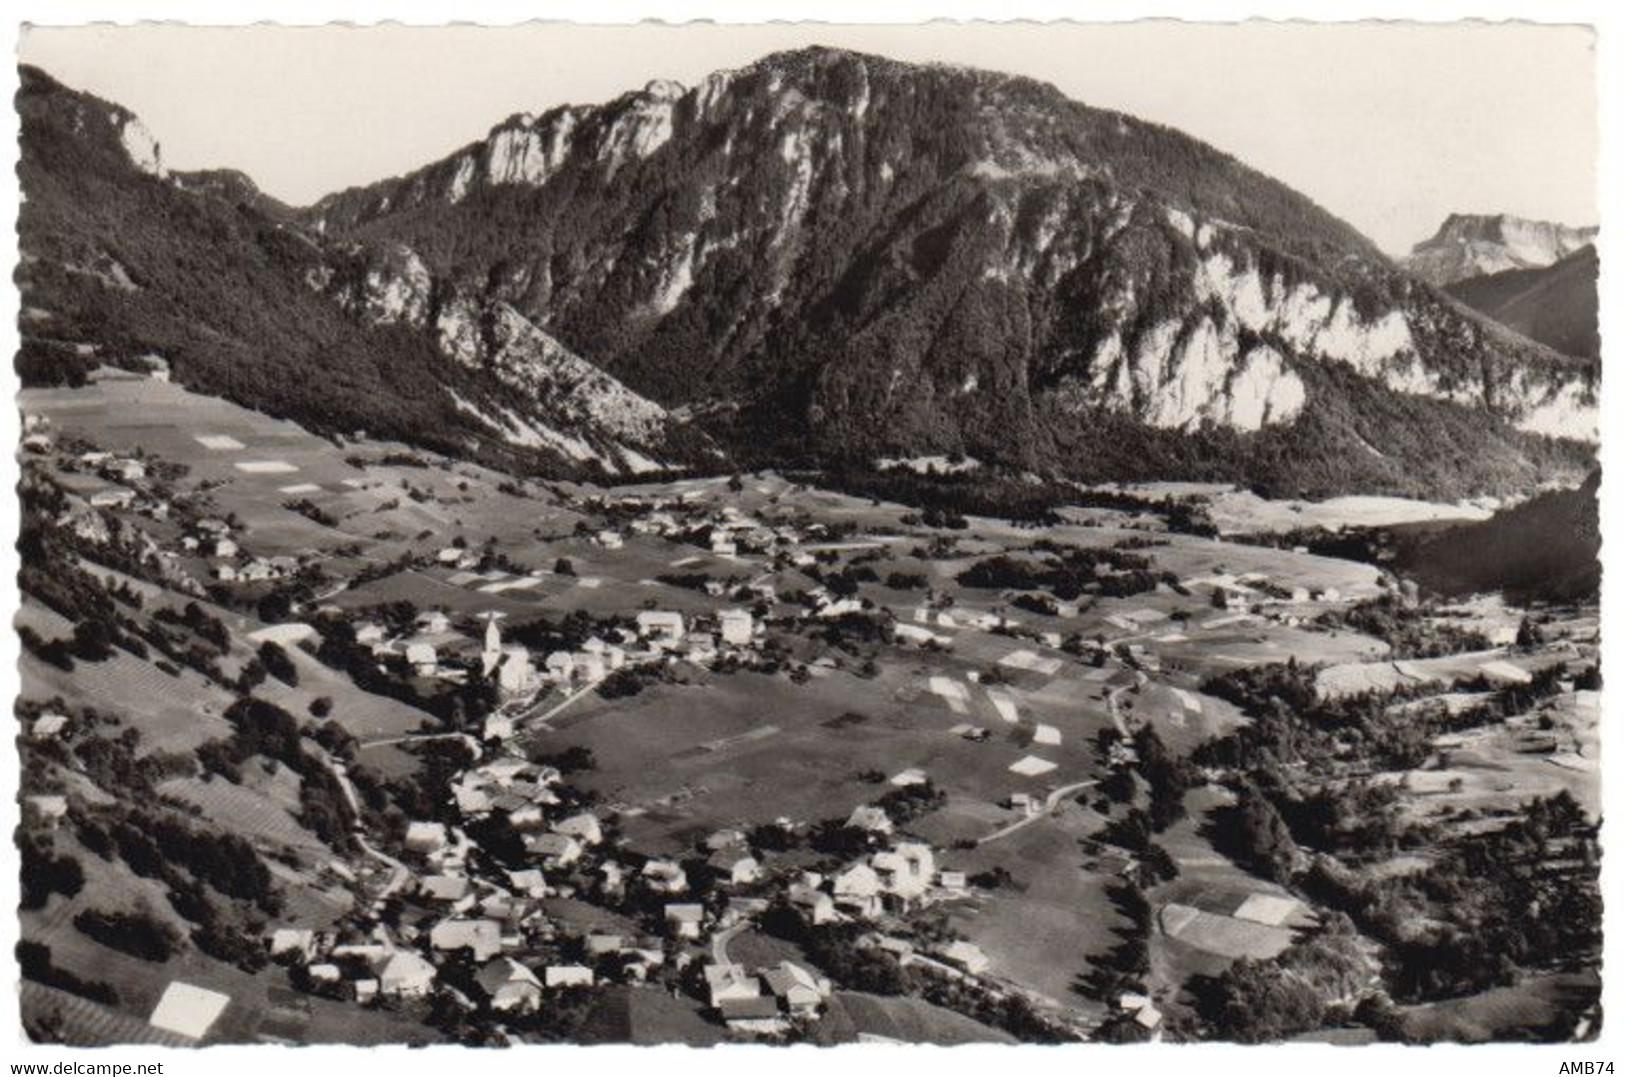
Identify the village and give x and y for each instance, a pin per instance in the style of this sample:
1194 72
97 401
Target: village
737 742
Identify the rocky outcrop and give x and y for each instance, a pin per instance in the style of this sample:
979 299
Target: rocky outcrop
1475 245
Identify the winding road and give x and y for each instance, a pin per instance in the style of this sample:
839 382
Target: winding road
1051 802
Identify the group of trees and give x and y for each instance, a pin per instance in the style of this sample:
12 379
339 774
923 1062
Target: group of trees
1067 572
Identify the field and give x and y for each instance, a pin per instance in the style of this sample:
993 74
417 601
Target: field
1042 930
1535 1009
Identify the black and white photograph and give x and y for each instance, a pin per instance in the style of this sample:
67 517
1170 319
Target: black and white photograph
796 533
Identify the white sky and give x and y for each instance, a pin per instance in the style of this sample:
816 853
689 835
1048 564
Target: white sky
1390 126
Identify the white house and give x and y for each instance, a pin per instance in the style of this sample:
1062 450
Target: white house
857 890
556 850
425 838
814 905
724 982
684 921
734 867
799 990
405 975
665 877
561 666
663 628
509 985
870 819
569 976
906 869
483 937
48 725
583 826
736 627
434 622
966 955
422 658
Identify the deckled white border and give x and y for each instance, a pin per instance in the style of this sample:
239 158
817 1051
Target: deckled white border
1222 1061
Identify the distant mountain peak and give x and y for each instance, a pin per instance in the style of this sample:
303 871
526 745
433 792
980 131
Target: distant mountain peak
1477 244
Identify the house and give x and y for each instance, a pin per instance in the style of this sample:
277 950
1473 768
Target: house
744 908
569 976
556 850
522 815
664 628
509 985
665 877
870 819
955 882
758 1015
530 882
113 497
857 891
610 540
422 658
48 725
906 870
797 989
583 827
225 547
369 633
443 888
700 647
425 838
516 674
325 973
561 666
405 975
684 921
433 622
815 906
967 955
724 982
1145 1013
483 937
299 943
734 867
737 627
187 1010
365 990
48 808
591 668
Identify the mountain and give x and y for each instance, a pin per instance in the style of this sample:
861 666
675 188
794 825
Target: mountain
828 257
122 259
1475 245
1545 549
1555 305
